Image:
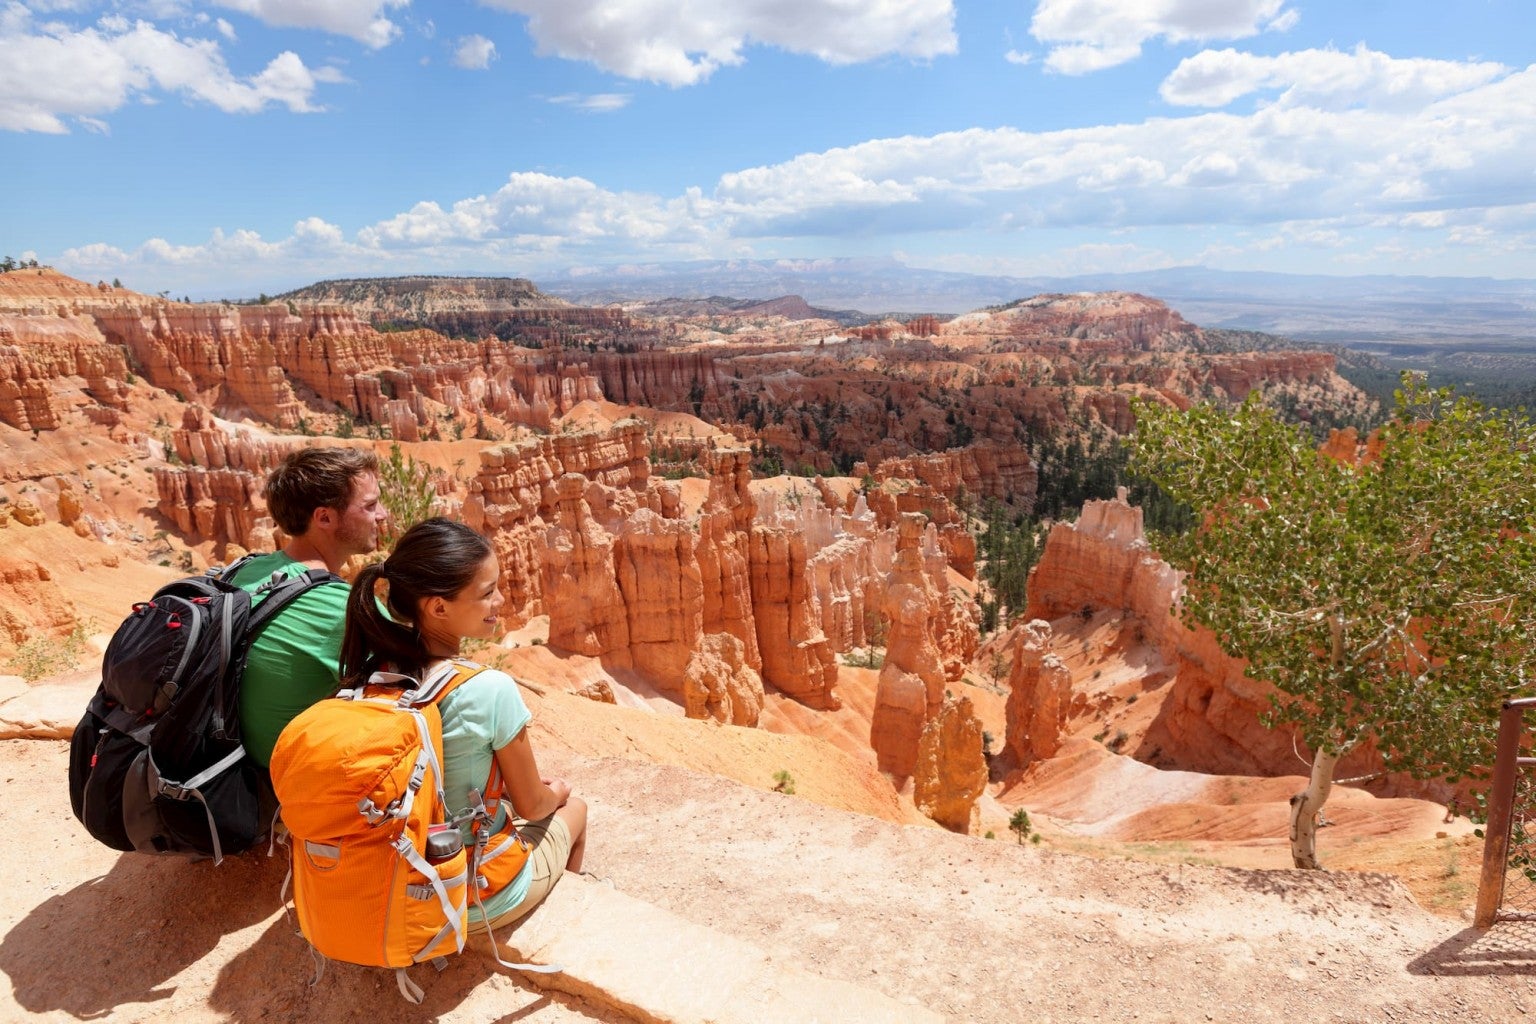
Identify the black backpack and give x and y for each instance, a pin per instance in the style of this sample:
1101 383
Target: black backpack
156 764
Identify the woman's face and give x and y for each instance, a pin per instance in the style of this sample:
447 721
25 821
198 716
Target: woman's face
475 611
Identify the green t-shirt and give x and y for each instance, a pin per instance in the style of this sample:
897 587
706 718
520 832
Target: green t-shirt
293 663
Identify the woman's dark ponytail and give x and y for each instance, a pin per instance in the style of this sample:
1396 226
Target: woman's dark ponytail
435 558
372 638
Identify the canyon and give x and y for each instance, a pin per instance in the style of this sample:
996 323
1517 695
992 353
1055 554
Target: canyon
680 600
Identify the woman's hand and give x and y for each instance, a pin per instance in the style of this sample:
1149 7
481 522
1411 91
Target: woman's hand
560 788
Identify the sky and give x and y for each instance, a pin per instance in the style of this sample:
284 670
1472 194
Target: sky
224 149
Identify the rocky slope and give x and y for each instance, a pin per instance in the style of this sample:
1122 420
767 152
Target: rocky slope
650 559
146 426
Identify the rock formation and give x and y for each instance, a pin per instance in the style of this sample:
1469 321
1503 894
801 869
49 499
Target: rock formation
586 609
1210 709
1104 321
951 770
724 551
35 605
663 594
1039 696
797 658
719 684
911 686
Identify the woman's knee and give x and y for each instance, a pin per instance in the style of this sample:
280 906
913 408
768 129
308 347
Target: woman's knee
574 814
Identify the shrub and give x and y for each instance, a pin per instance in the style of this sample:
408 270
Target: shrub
1019 824
407 490
46 655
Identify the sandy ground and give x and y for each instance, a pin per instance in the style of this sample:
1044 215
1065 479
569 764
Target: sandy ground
979 930
1155 895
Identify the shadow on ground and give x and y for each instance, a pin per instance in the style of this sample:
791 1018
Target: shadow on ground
1508 948
122 937
139 934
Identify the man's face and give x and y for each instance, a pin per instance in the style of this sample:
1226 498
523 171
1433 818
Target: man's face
358 530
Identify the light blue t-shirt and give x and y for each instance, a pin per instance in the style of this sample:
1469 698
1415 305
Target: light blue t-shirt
483 714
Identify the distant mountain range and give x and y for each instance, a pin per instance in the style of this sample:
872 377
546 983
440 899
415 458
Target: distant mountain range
1363 312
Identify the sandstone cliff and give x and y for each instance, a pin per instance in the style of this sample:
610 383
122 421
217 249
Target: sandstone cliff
1202 713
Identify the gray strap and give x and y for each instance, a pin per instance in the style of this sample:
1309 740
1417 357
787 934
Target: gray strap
452 913
408 988
213 829
162 786
203 777
496 949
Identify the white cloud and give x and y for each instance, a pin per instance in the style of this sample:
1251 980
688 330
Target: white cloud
1089 35
682 42
317 230
538 209
1279 163
1323 78
1287 20
363 20
50 72
474 53
225 29
596 103
1323 180
1017 57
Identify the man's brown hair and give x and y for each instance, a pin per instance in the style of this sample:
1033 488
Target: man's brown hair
311 478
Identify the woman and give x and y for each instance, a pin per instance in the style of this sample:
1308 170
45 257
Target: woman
408 614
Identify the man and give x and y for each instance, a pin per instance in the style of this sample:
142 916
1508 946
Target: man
326 499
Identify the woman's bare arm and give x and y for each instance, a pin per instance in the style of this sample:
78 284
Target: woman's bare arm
533 796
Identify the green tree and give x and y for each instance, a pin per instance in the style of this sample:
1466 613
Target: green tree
1019 824
408 491
1386 601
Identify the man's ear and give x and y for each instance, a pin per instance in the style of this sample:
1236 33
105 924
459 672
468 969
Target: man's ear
324 517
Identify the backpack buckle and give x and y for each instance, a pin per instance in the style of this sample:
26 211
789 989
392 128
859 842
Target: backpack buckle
370 811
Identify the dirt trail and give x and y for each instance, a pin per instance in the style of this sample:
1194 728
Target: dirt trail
994 931
979 930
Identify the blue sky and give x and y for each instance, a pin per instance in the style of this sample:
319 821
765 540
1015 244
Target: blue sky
253 145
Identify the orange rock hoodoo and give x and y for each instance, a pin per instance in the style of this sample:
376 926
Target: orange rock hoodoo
951 769
911 687
1039 695
588 537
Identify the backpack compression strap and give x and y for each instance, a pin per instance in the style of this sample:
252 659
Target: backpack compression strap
438 686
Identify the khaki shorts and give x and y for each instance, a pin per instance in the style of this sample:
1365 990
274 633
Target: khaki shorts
551 841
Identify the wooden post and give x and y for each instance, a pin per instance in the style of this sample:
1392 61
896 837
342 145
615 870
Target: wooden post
1501 800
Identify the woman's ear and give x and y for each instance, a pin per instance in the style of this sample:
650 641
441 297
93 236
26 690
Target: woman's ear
434 607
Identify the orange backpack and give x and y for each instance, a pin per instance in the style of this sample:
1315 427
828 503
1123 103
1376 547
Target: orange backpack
359 777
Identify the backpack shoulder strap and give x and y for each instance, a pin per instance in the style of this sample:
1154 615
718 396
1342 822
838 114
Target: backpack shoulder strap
452 673
228 572
276 594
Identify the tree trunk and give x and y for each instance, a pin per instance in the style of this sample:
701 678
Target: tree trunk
1305 807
